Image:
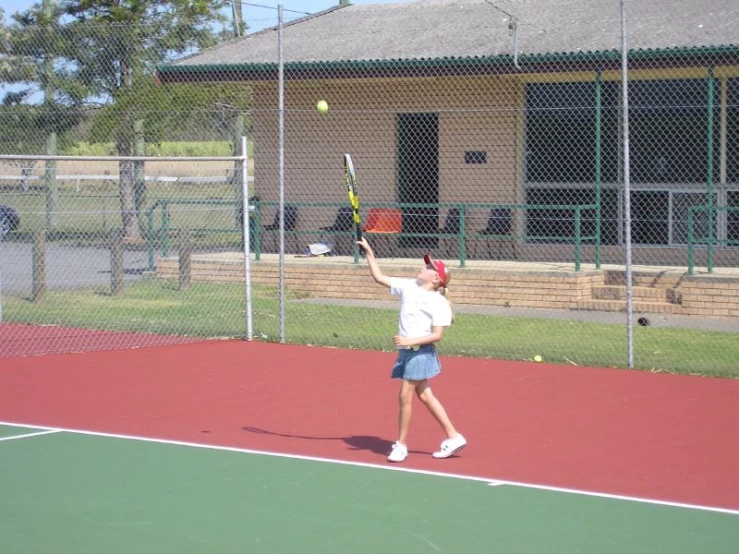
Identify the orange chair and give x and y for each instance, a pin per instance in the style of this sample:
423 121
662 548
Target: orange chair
384 221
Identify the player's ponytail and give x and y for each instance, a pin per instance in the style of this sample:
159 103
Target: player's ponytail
444 290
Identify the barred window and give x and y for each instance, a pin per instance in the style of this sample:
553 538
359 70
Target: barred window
558 225
732 218
561 132
668 131
681 202
732 132
669 149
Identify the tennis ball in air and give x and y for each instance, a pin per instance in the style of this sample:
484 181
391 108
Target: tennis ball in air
537 359
322 106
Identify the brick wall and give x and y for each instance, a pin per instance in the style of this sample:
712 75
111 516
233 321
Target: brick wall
701 295
514 288
710 295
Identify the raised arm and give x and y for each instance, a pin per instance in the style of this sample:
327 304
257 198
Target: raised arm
377 274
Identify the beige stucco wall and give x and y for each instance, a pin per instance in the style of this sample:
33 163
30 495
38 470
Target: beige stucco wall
475 113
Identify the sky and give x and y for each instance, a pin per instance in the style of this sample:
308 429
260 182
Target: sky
256 17
258 14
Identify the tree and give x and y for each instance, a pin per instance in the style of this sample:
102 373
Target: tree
114 47
103 54
150 113
29 50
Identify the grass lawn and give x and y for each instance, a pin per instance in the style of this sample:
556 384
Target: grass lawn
217 310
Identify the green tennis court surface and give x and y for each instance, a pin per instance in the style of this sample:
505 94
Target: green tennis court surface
65 492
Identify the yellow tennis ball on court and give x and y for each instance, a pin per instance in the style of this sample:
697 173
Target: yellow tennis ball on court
537 359
322 106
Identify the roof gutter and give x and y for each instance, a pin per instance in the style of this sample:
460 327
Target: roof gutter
531 63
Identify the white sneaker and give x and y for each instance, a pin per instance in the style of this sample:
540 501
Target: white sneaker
399 453
450 447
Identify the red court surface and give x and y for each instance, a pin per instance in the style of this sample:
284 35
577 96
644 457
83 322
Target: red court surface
18 339
655 436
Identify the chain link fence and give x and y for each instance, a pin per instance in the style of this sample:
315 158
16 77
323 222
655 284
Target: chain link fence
509 165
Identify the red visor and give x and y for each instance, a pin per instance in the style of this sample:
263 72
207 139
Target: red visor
440 268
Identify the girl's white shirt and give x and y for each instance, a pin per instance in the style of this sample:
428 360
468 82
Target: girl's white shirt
420 309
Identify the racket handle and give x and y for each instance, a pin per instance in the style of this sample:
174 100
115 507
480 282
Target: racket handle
359 237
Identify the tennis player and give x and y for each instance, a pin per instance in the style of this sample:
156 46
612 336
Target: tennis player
424 312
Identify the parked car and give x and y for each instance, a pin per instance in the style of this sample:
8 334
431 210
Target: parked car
9 219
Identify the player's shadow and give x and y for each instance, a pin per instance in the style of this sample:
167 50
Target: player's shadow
375 445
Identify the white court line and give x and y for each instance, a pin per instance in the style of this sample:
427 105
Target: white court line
29 434
491 481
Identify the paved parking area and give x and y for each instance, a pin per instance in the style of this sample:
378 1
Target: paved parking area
66 266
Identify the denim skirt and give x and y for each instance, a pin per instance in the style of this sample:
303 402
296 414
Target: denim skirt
417 365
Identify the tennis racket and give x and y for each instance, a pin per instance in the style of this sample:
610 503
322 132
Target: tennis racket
351 187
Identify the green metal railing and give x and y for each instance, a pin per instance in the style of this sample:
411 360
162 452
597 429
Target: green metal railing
710 241
165 227
463 237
